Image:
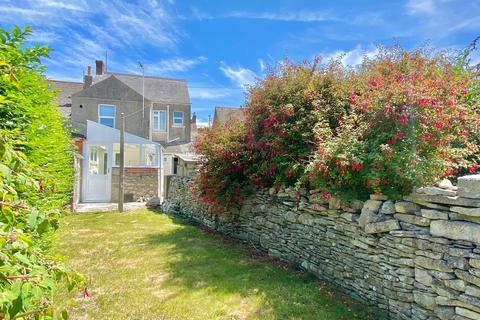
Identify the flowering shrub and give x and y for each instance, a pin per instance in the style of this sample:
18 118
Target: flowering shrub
400 120
281 112
221 181
410 124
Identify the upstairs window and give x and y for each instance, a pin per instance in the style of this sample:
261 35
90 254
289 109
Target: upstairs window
159 119
106 115
177 118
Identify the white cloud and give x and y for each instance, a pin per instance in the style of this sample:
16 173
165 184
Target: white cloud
83 30
240 76
64 5
301 16
202 124
43 37
420 6
353 57
261 63
176 64
207 93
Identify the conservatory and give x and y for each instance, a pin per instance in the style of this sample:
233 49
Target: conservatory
100 167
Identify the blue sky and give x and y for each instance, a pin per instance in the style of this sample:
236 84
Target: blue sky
219 46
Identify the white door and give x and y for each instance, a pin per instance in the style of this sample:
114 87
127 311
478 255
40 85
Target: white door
98 175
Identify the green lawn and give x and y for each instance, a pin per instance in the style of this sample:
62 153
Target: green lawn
144 265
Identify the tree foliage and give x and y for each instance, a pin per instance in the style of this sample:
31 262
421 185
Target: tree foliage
36 175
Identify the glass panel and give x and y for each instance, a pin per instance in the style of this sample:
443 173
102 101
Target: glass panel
98 161
156 123
108 122
149 155
132 154
107 111
163 121
177 117
159 121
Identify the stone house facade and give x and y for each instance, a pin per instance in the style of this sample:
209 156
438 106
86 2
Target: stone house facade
157 115
155 108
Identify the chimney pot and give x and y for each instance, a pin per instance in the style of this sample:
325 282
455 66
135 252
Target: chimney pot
99 67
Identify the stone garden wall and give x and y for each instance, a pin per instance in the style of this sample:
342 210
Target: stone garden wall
418 258
140 184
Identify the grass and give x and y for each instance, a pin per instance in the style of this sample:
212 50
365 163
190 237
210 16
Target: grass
144 265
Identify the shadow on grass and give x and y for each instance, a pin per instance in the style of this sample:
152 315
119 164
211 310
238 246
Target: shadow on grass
205 261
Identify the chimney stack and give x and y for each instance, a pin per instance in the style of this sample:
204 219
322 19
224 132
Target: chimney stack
194 118
88 79
99 67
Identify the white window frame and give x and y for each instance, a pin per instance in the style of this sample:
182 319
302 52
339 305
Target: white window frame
107 117
154 112
177 124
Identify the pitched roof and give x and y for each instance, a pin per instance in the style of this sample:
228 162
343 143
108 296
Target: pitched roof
157 89
64 94
183 150
223 114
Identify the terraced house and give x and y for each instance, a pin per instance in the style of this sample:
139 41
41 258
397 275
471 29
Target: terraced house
157 120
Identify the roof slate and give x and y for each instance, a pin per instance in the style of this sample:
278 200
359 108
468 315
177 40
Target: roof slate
164 90
223 114
64 94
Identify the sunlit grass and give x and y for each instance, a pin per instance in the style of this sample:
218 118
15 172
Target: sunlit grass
144 265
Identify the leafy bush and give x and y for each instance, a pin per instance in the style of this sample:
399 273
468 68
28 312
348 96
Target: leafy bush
35 181
399 120
281 112
410 124
221 181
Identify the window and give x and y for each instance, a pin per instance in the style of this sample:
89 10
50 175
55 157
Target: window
159 119
149 155
106 115
177 118
132 154
98 160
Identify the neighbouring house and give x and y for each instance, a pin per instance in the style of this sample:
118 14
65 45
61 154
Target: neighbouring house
65 90
157 116
223 114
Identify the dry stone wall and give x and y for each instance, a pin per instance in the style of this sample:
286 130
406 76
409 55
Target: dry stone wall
418 258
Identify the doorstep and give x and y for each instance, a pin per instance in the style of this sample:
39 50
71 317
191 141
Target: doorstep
108 206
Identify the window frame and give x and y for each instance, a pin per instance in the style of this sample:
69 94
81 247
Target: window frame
100 117
178 124
154 112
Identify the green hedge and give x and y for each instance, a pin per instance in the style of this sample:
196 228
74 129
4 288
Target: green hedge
36 174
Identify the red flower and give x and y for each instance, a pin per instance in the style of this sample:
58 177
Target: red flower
326 195
403 119
86 293
423 102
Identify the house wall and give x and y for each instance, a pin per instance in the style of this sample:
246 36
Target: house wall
110 91
176 133
114 92
134 123
140 184
77 166
185 169
417 258
168 163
